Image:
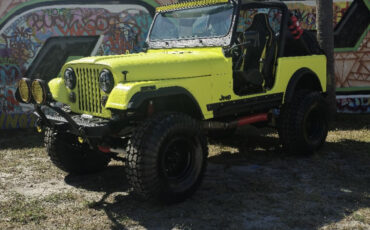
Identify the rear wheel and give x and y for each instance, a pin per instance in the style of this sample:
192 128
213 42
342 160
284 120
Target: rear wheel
166 158
70 156
304 123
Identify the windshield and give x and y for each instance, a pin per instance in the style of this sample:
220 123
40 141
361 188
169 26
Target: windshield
205 22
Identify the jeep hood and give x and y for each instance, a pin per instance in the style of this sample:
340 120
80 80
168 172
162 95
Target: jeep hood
161 64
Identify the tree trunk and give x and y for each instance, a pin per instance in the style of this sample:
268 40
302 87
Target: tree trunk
325 36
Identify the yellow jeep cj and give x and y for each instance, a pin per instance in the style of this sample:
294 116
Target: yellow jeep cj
208 67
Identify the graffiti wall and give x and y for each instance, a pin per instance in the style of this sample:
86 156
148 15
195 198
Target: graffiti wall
306 12
354 104
29 30
7 5
352 71
16 120
352 68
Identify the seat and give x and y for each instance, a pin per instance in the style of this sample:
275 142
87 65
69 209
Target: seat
258 58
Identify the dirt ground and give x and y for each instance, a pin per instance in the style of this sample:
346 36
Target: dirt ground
249 184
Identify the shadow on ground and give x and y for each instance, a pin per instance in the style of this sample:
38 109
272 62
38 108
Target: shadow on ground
351 121
18 139
256 187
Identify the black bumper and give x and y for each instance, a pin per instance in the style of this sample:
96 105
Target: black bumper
75 123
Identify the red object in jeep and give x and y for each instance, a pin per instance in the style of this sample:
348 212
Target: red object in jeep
104 149
253 119
295 27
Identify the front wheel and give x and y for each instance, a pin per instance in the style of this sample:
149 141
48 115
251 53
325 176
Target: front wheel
304 123
166 158
72 157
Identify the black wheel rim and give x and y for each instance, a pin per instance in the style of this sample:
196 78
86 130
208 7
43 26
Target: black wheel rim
177 158
314 124
180 164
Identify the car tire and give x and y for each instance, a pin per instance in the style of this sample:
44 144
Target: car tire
303 123
70 156
166 158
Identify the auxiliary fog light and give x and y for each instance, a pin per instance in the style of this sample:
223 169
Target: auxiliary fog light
24 88
39 91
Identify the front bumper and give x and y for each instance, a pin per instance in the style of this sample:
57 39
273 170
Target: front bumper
76 124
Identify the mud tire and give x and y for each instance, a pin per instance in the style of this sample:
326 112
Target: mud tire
72 157
303 123
166 158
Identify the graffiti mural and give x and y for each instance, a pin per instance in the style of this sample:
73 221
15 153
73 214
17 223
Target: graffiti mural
352 69
354 104
7 5
123 31
16 120
305 11
9 75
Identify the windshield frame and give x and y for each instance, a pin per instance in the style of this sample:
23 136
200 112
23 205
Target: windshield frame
220 41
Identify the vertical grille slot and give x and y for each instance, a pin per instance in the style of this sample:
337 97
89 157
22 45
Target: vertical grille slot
88 90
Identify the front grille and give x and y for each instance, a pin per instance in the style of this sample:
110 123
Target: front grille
88 90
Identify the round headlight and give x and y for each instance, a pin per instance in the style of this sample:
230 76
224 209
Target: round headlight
38 89
24 87
106 81
70 78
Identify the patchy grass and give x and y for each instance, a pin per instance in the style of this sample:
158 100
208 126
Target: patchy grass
250 184
59 198
22 211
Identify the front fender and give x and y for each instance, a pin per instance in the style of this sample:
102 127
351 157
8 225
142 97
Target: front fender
58 90
121 94
133 96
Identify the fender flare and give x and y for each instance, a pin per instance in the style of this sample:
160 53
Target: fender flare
298 77
142 96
